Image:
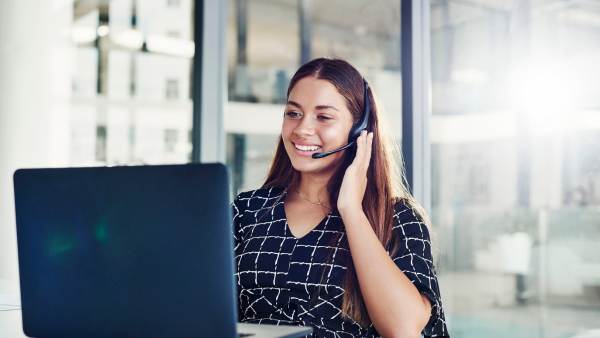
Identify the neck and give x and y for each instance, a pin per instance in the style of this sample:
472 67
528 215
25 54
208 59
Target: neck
314 187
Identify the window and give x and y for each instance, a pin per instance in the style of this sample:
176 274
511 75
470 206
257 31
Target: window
516 165
172 89
101 143
473 174
117 84
269 40
170 140
173 34
90 92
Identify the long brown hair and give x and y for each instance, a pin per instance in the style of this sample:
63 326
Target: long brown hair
385 185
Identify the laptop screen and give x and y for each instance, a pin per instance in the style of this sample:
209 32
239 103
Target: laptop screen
126 251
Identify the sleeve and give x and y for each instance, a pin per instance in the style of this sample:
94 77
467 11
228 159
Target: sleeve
413 256
237 210
238 206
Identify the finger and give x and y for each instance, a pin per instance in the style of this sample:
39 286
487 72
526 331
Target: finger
368 152
364 152
363 147
365 136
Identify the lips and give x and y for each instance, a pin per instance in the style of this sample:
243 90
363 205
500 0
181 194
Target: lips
306 148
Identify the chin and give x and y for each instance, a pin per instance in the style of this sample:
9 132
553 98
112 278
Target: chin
316 166
304 163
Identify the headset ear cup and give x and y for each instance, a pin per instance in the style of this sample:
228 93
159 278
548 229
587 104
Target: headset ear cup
361 125
351 135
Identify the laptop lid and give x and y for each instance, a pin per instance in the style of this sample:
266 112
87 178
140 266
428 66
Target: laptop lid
141 251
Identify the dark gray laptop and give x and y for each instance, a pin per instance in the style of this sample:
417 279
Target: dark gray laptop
143 251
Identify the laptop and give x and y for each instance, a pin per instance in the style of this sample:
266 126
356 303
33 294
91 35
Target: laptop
140 251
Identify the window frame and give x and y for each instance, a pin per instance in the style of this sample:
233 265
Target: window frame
209 67
208 130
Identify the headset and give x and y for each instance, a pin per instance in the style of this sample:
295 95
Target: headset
357 128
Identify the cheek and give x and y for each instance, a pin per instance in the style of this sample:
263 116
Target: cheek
287 129
334 137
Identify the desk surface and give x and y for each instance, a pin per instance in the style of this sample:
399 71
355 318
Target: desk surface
10 324
10 317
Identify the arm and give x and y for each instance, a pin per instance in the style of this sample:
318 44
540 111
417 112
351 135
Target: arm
395 306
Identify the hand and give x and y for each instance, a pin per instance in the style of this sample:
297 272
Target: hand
354 183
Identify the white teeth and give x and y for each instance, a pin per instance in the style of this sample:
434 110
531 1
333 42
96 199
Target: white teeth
306 148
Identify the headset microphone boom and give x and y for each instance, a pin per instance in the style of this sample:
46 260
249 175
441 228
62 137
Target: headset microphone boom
357 128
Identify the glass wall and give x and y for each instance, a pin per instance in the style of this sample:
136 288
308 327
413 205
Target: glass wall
131 82
90 83
516 165
268 40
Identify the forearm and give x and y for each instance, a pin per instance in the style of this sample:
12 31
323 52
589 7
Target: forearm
395 306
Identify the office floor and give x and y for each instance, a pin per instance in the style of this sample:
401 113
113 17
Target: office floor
525 321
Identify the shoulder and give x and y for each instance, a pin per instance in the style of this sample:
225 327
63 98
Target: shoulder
257 199
406 210
249 206
411 234
409 220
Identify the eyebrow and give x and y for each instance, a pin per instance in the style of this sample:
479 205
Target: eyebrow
321 107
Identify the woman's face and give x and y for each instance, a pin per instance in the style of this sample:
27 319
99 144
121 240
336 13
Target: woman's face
316 120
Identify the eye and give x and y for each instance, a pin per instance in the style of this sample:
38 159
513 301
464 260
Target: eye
323 117
292 114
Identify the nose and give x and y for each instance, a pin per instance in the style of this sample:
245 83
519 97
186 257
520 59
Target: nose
306 127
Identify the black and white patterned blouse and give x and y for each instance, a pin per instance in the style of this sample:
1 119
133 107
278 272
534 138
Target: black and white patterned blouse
298 281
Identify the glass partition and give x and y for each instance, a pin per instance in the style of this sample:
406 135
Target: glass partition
515 138
90 83
131 100
268 40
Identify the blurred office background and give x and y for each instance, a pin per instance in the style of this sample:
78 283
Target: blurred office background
514 127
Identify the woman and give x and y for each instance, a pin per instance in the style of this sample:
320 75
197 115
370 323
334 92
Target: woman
336 242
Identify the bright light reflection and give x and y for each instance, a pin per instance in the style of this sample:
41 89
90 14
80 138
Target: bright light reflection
103 31
542 89
171 46
470 76
130 38
83 34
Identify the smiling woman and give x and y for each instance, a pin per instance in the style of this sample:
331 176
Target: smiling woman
336 243
316 116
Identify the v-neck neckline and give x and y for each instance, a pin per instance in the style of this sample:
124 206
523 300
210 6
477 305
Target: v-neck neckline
287 225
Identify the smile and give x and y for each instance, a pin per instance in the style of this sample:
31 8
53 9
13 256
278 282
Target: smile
306 148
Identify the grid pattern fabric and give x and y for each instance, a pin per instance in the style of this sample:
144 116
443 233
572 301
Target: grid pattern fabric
286 280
